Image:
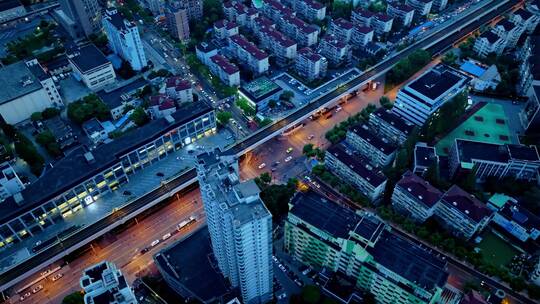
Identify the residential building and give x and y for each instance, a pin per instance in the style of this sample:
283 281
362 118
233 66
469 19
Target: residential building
177 21
10 183
157 7
473 297
524 18
83 16
358 245
483 77
425 157
239 13
27 89
275 10
205 51
514 218
422 97
226 71
530 115
83 177
249 54
90 66
260 23
415 197
341 29
194 8
487 43
462 213
95 131
390 125
224 29
178 88
124 39
240 226
361 36
11 9
336 51
362 17
310 10
439 5
310 65
509 32
161 106
381 23
529 83
259 92
283 48
422 7
488 159
402 12
355 171
61 131
104 283
303 33
122 97
378 150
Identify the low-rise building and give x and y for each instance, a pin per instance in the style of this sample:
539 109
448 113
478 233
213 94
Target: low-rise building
10 183
378 150
283 48
118 99
179 89
61 131
205 51
488 159
226 71
362 17
402 12
310 10
310 65
27 89
275 10
177 21
90 66
462 213
514 218
483 77
341 29
361 36
303 33
336 51
422 7
259 92
161 106
509 32
249 54
104 283
239 13
381 23
224 29
323 234
415 197
439 5
524 18
419 99
425 157
11 9
390 125
530 115
355 171
487 43
157 7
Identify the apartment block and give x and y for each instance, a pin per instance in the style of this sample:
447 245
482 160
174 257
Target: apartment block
224 29
237 12
439 5
104 283
361 36
358 245
177 21
303 33
415 197
124 39
381 23
524 18
462 213
275 10
514 218
226 71
123 97
204 51
336 51
194 8
378 150
310 65
341 29
362 17
283 48
10 183
82 18
179 89
419 99
425 157
390 125
309 10
422 7
240 226
486 159
249 54
401 12
90 66
355 171
509 32
487 43
157 7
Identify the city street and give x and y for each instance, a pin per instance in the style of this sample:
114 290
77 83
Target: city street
123 249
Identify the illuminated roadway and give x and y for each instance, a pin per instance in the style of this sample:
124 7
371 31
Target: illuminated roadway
89 233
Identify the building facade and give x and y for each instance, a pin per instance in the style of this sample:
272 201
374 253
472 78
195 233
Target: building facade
402 12
488 43
415 197
178 21
85 16
249 54
240 227
390 125
341 29
104 283
310 65
11 9
224 29
226 71
336 51
90 66
10 183
124 39
422 7
378 150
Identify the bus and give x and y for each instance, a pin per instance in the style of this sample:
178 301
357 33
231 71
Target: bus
185 223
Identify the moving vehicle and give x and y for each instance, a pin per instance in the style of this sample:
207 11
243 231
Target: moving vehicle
37 288
186 223
154 243
289 150
262 165
288 159
57 277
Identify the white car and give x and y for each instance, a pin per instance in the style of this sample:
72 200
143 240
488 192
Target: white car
282 296
262 165
288 159
37 288
154 243
338 109
166 236
311 136
57 277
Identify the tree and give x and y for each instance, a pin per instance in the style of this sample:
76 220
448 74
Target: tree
385 102
86 108
307 149
74 298
48 141
139 116
272 104
28 152
449 58
223 117
311 294
369 298
287 95
36 116
341 9
50 113
126 71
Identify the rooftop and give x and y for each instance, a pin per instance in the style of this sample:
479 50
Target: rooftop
394 120
420 189
224 64
490 36
363 13
467 204
380 143
17 80
278 37
260 88
342 23
363 29
113 97
9 4
367 172
117 20
402 7
521 216
206 47
383 17
507 25
424 155
524 14
471 150
309 54
248 46
87 58
436 82
473 68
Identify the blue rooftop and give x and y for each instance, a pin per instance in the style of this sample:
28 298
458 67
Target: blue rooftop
472 69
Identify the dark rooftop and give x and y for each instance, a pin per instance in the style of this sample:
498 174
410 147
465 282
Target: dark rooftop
425 156
520 215
394 120
113 98
524 14
88 57
375 178
523 152
17 80
224 64
342 23
507 25
309 54
470 150
363 131
490 36
410 261
436 82
466 203
420 189
9 4
248 46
